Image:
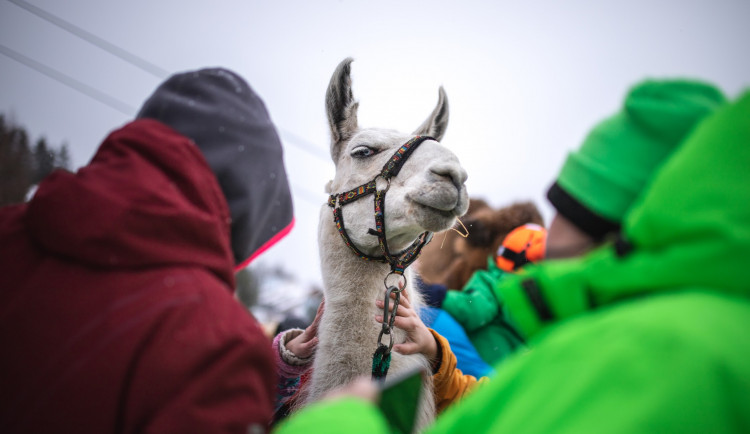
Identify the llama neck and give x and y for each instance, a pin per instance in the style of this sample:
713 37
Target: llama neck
348 331
350 282
351 287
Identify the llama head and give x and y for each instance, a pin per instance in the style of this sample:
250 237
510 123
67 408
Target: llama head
427 194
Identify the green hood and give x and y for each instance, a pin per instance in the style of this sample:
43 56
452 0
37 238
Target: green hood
690 229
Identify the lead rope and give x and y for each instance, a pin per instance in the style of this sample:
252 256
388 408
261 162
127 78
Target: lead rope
381 358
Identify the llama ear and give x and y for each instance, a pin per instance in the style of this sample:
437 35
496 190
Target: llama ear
341 107
436 124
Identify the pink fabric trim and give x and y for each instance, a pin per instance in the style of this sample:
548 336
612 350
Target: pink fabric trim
275 239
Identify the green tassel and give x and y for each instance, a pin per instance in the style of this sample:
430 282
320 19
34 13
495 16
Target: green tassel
381 361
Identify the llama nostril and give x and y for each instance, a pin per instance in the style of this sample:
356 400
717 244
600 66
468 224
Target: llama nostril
455 174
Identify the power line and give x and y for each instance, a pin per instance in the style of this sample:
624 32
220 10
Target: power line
300 143
145 65
93 39
307 195
302 192
100 96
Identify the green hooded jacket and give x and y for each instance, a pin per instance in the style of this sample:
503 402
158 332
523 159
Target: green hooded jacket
646 335
478 310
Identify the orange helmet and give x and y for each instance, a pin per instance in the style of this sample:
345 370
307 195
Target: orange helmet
522 245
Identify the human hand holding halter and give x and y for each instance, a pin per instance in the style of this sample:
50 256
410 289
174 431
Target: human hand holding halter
419 338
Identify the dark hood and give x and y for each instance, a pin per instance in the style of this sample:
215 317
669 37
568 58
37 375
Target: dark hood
229 123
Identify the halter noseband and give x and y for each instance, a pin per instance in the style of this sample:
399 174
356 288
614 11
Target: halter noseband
400 260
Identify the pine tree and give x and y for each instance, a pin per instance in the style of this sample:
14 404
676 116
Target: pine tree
15 163
62 159
248 287
44 160
21 166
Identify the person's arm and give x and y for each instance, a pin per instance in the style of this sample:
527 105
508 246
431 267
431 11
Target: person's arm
294 349
293 352
475 305
288 364
450 383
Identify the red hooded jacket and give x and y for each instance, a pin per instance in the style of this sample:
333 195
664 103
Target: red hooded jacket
116 299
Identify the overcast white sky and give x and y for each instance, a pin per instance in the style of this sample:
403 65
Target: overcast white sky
525 80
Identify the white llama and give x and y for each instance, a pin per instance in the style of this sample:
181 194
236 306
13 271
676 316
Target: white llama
427 194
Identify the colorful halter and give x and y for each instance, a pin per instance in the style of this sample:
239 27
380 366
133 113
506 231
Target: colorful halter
400 260
381 359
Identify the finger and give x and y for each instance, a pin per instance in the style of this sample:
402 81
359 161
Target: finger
406 324
309 345
406 348
380 304
405 300
403 310
313 327
404 294
319 312
311 330
302 337
400 321
306 349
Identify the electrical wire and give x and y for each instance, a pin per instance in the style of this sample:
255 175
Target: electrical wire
93 39
145 65
124 108
58 76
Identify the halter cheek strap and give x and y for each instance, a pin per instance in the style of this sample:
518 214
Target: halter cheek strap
398 261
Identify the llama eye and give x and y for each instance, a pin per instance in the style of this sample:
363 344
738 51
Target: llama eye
363 152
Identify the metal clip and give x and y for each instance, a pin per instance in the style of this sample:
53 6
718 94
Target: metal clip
397 287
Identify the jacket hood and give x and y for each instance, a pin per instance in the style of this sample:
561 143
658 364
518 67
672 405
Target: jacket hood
690 229
147 198
229 123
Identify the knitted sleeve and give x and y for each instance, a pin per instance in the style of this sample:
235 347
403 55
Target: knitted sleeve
287 364
289 369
